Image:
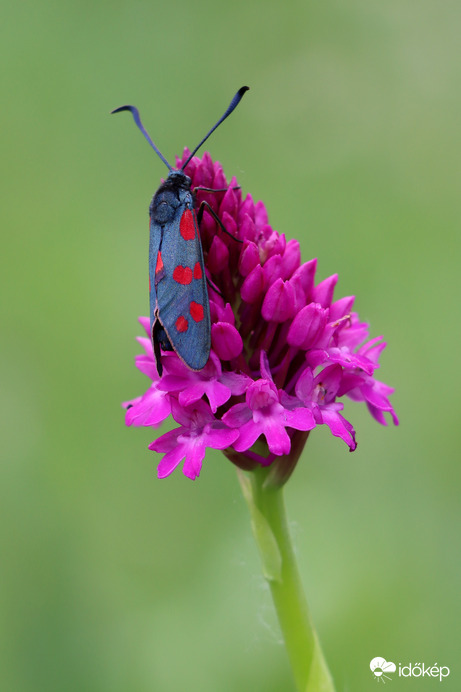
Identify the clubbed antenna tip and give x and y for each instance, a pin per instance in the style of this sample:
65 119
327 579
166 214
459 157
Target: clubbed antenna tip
232 106
137 118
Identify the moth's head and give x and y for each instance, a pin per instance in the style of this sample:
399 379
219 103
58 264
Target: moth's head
179 179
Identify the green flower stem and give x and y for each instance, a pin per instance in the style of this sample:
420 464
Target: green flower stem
270 528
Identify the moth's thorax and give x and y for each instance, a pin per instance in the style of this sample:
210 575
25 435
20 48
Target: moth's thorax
172 193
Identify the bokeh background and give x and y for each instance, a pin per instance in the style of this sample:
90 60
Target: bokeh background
114 581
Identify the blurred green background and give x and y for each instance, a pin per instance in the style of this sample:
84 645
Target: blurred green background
114 581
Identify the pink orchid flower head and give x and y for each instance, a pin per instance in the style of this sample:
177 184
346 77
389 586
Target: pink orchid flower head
284 353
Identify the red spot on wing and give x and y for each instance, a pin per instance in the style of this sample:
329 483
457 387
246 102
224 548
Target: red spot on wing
182 275
181 324
198 271
196 311
186 225
159 265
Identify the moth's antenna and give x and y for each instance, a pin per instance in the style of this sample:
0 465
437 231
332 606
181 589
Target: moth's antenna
232 106
137 118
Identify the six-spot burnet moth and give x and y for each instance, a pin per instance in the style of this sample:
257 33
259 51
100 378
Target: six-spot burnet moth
179 306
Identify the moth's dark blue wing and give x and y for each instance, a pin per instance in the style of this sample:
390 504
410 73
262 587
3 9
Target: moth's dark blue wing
179 296
155 237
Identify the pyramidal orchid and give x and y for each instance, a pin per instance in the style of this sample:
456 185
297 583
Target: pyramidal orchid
284 356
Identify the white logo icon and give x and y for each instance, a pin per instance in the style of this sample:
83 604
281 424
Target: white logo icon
380 667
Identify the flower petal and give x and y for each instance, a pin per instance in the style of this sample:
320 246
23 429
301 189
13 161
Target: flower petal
226 341
300 419
248 434
279 302
277 437
340 427
237 415
195 453
150 409
170 461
